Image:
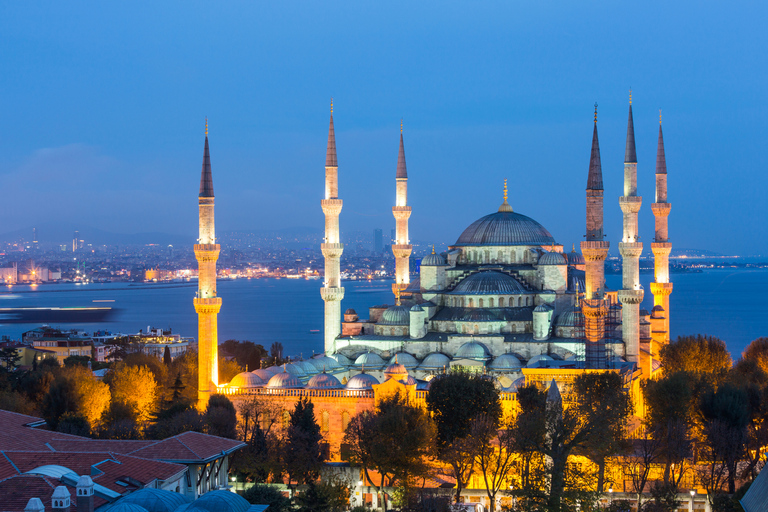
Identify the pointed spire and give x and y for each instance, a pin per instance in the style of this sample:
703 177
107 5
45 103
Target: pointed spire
661 160
630 157
206 177
595 177
401 170
505 207
553 394
330 155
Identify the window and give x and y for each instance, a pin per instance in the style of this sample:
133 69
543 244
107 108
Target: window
344 420
481 303
501 302
490 302
325 422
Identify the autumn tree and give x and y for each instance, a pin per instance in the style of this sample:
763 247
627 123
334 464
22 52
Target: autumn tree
76 391
455 401
228 369
757 351
258 424
638 461
136 387
704 357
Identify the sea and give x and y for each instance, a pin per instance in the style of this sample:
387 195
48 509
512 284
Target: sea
731 304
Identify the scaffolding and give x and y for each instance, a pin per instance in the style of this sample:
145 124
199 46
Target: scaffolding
596 338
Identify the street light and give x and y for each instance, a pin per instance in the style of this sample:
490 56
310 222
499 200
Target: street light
610 494
693 493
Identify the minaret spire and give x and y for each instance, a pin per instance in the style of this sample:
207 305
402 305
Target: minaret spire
401 248
207 304
332 248
631 294
661 247
505 207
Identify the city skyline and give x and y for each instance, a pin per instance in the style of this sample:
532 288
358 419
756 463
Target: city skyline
484 95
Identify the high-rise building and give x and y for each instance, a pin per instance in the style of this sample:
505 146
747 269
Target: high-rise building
378 241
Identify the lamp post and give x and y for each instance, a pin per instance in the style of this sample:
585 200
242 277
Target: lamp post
690 505
610 495
234 481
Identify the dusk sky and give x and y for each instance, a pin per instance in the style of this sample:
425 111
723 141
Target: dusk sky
102 112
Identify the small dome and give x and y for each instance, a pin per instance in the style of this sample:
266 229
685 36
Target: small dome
516 385
433 260
395 315
405 359
535 360
362 381
324 363
489 282
416 307
308 367
284 380
246 380
124 507
435 360
575 258
263 374
542 308
217 501
552 258
411 381
324 381
569 318
295 369
473 350
154 500
506 362
370 360
657 312
396 371
274 370
341 359
350 311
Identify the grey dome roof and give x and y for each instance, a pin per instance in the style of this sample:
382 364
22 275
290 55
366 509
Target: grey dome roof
416 307
217 501
308 367
516 385
405 359
543 307
433 260
574 258
246 380
126 507
395 315
361 381
506 362
489 282
284 380
435 360
274 370
395 369
154 500
350 311
534 361
505 228
473 350
263 374
324 362
552 258
478 315
295 369
324 381
341 359
371 360
569 318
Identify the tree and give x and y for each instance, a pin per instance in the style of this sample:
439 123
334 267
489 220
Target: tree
329 496
247 354
135 386
495 455
120 421
396 440
177 417
757 352
639 460
119 347
75 390
77 361
258 418
10 357
302 453
703 356
261 494
228 369
456 400
59 399
220 417
528 432
167 359
75 424
178 388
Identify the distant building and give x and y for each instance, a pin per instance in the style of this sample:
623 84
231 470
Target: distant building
378 241
60 344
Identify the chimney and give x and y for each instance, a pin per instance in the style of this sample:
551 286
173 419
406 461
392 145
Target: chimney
34 505
60 499
85 494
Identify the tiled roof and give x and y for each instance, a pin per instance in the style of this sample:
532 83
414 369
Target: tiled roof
15 434
189 446
16 492
97 445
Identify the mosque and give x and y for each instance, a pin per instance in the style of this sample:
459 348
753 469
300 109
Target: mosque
506 300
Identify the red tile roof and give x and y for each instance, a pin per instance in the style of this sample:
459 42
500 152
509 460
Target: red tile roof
189 447
17 491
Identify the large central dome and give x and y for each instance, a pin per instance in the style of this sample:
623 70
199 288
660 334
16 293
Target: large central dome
505 228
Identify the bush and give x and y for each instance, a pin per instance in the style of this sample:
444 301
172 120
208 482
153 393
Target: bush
262 494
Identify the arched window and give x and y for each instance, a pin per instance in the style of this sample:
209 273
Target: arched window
477 329
481 303
344 421
286 419
490 302
501 302
325 424
501 257
527 301
471 304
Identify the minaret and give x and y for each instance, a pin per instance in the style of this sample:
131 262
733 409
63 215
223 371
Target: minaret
207 304
401 248
631 294
661 287
332 292
595 250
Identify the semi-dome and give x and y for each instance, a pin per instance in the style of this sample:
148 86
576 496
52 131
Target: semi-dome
284 380
506 362
153 500
324 362
362 381
569 318
473 350
433 260
535 360
341 359
324 381
477 315
489 282
435 360
505 228
405 359
217 501
246 380
371 360
552 258
395 315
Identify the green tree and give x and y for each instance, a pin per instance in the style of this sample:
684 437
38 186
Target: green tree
302 453
75 424
10 357
60 399
455 400
120 421
262 494
330 496
221 417
528 432
77 361
257 426
167 359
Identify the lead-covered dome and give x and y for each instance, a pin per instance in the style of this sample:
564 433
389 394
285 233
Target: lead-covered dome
246 380
153 500
371 360
552 258
433 260
324 381
473 350
395 315
489 282
505 228
435 360
569 318
506 362
362 381
405 359
284 380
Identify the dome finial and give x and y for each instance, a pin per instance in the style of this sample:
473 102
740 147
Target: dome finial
206 126
630 96
659 116
595 112
573 248
401 125
397 296
433 248
505 205
331 105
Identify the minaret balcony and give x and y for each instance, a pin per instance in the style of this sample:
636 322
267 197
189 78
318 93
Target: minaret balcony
631 249
661 248
402 251
661 289
331 206
332 250
207 305
401 212
661 209
631 296
630 204
595 250
332 294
